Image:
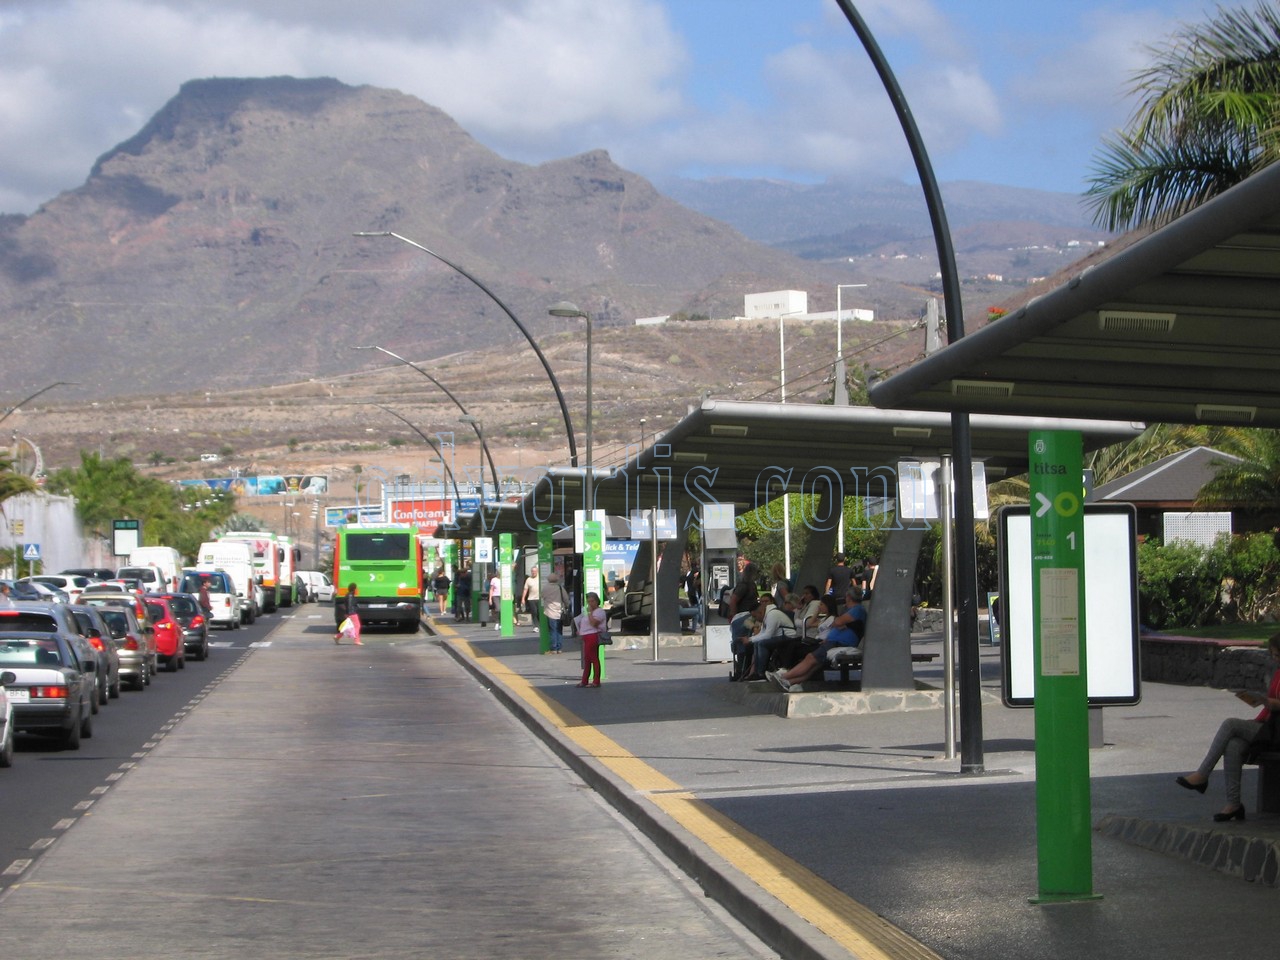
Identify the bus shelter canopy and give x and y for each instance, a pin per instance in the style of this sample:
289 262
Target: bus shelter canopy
747 453
1180 325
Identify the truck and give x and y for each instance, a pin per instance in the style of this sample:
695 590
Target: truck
290 560
236 558
384 562
166 559
266 561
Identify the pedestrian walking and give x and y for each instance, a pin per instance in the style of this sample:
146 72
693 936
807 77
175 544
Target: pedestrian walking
349 628
530 595
555 605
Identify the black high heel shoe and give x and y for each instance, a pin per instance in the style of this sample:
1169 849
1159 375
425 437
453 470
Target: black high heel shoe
1197 787
1236 814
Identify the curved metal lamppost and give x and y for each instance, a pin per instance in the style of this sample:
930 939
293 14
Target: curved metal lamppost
555 384
566 309
971 756
431 443
447 392
18 405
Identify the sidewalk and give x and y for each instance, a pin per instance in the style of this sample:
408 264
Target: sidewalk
868 805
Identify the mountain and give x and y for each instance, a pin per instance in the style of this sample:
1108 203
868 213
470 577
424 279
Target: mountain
870 213
214 248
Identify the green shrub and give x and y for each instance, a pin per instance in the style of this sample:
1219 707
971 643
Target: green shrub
1184 585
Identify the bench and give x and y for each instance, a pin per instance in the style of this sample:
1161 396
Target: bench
845 659
1268 781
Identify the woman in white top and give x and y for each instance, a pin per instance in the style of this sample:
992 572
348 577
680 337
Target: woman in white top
590 622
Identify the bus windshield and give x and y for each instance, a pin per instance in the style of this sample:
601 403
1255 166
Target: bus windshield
378 546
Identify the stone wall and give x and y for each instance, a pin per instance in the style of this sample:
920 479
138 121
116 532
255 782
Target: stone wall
1209 663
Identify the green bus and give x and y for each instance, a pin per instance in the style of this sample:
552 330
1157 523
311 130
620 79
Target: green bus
385 565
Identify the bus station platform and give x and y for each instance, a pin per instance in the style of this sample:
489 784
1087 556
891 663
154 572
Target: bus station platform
859 829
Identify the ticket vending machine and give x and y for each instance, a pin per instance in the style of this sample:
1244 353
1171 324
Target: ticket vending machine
719 573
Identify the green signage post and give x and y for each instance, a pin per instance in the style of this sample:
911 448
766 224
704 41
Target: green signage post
451 567
546 557
593 570
1065 852
506 567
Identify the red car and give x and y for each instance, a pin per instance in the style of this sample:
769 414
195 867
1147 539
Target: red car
170 648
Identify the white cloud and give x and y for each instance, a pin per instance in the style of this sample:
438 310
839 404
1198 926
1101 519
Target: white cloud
79 76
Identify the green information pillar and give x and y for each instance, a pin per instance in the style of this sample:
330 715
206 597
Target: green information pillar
506 564
546 557
1065 851
593 570
451 567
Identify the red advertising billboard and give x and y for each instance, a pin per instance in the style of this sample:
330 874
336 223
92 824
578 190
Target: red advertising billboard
426 515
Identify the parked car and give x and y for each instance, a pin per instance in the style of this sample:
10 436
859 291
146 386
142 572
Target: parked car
6 720
19 590
117 589
70 584
94 629
195 628
29 616
52 687
135 639
319 588
223 599
93 573
26 589
170 648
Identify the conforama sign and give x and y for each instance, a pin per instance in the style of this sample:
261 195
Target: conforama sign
426 514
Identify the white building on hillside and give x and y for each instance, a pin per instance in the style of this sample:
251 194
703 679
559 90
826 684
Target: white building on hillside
777 303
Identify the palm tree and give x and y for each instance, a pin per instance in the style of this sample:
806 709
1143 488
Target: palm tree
11 483
1255 480
1208 117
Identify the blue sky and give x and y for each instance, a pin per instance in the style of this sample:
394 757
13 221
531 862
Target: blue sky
1013 92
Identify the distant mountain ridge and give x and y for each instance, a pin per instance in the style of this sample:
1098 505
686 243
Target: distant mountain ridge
871 211
214 250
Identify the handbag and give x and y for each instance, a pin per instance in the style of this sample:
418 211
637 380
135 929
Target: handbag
605 637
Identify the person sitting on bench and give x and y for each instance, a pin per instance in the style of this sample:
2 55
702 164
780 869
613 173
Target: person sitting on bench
776 628
847 630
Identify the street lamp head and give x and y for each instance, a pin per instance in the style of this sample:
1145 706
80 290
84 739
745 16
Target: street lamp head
566 309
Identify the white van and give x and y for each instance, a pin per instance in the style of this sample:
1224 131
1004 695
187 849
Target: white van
236 558
223 599
166 559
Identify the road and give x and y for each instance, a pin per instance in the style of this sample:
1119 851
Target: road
48 789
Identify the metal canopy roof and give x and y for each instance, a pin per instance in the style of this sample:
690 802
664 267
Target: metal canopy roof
734 452
1181 326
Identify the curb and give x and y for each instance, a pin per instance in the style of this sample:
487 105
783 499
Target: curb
1256 859
770 921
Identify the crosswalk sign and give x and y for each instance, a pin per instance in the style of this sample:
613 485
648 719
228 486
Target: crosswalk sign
31 551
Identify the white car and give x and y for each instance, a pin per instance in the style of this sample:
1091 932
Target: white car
6 720
319 586
70 584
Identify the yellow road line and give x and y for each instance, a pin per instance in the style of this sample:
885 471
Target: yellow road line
861 931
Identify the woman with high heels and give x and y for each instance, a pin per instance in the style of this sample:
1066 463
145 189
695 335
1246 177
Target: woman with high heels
1232 742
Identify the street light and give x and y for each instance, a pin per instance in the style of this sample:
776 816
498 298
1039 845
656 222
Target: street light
566 309
479 428
971 760
555 384
431 443
841 398
447 392
16 406
842 383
